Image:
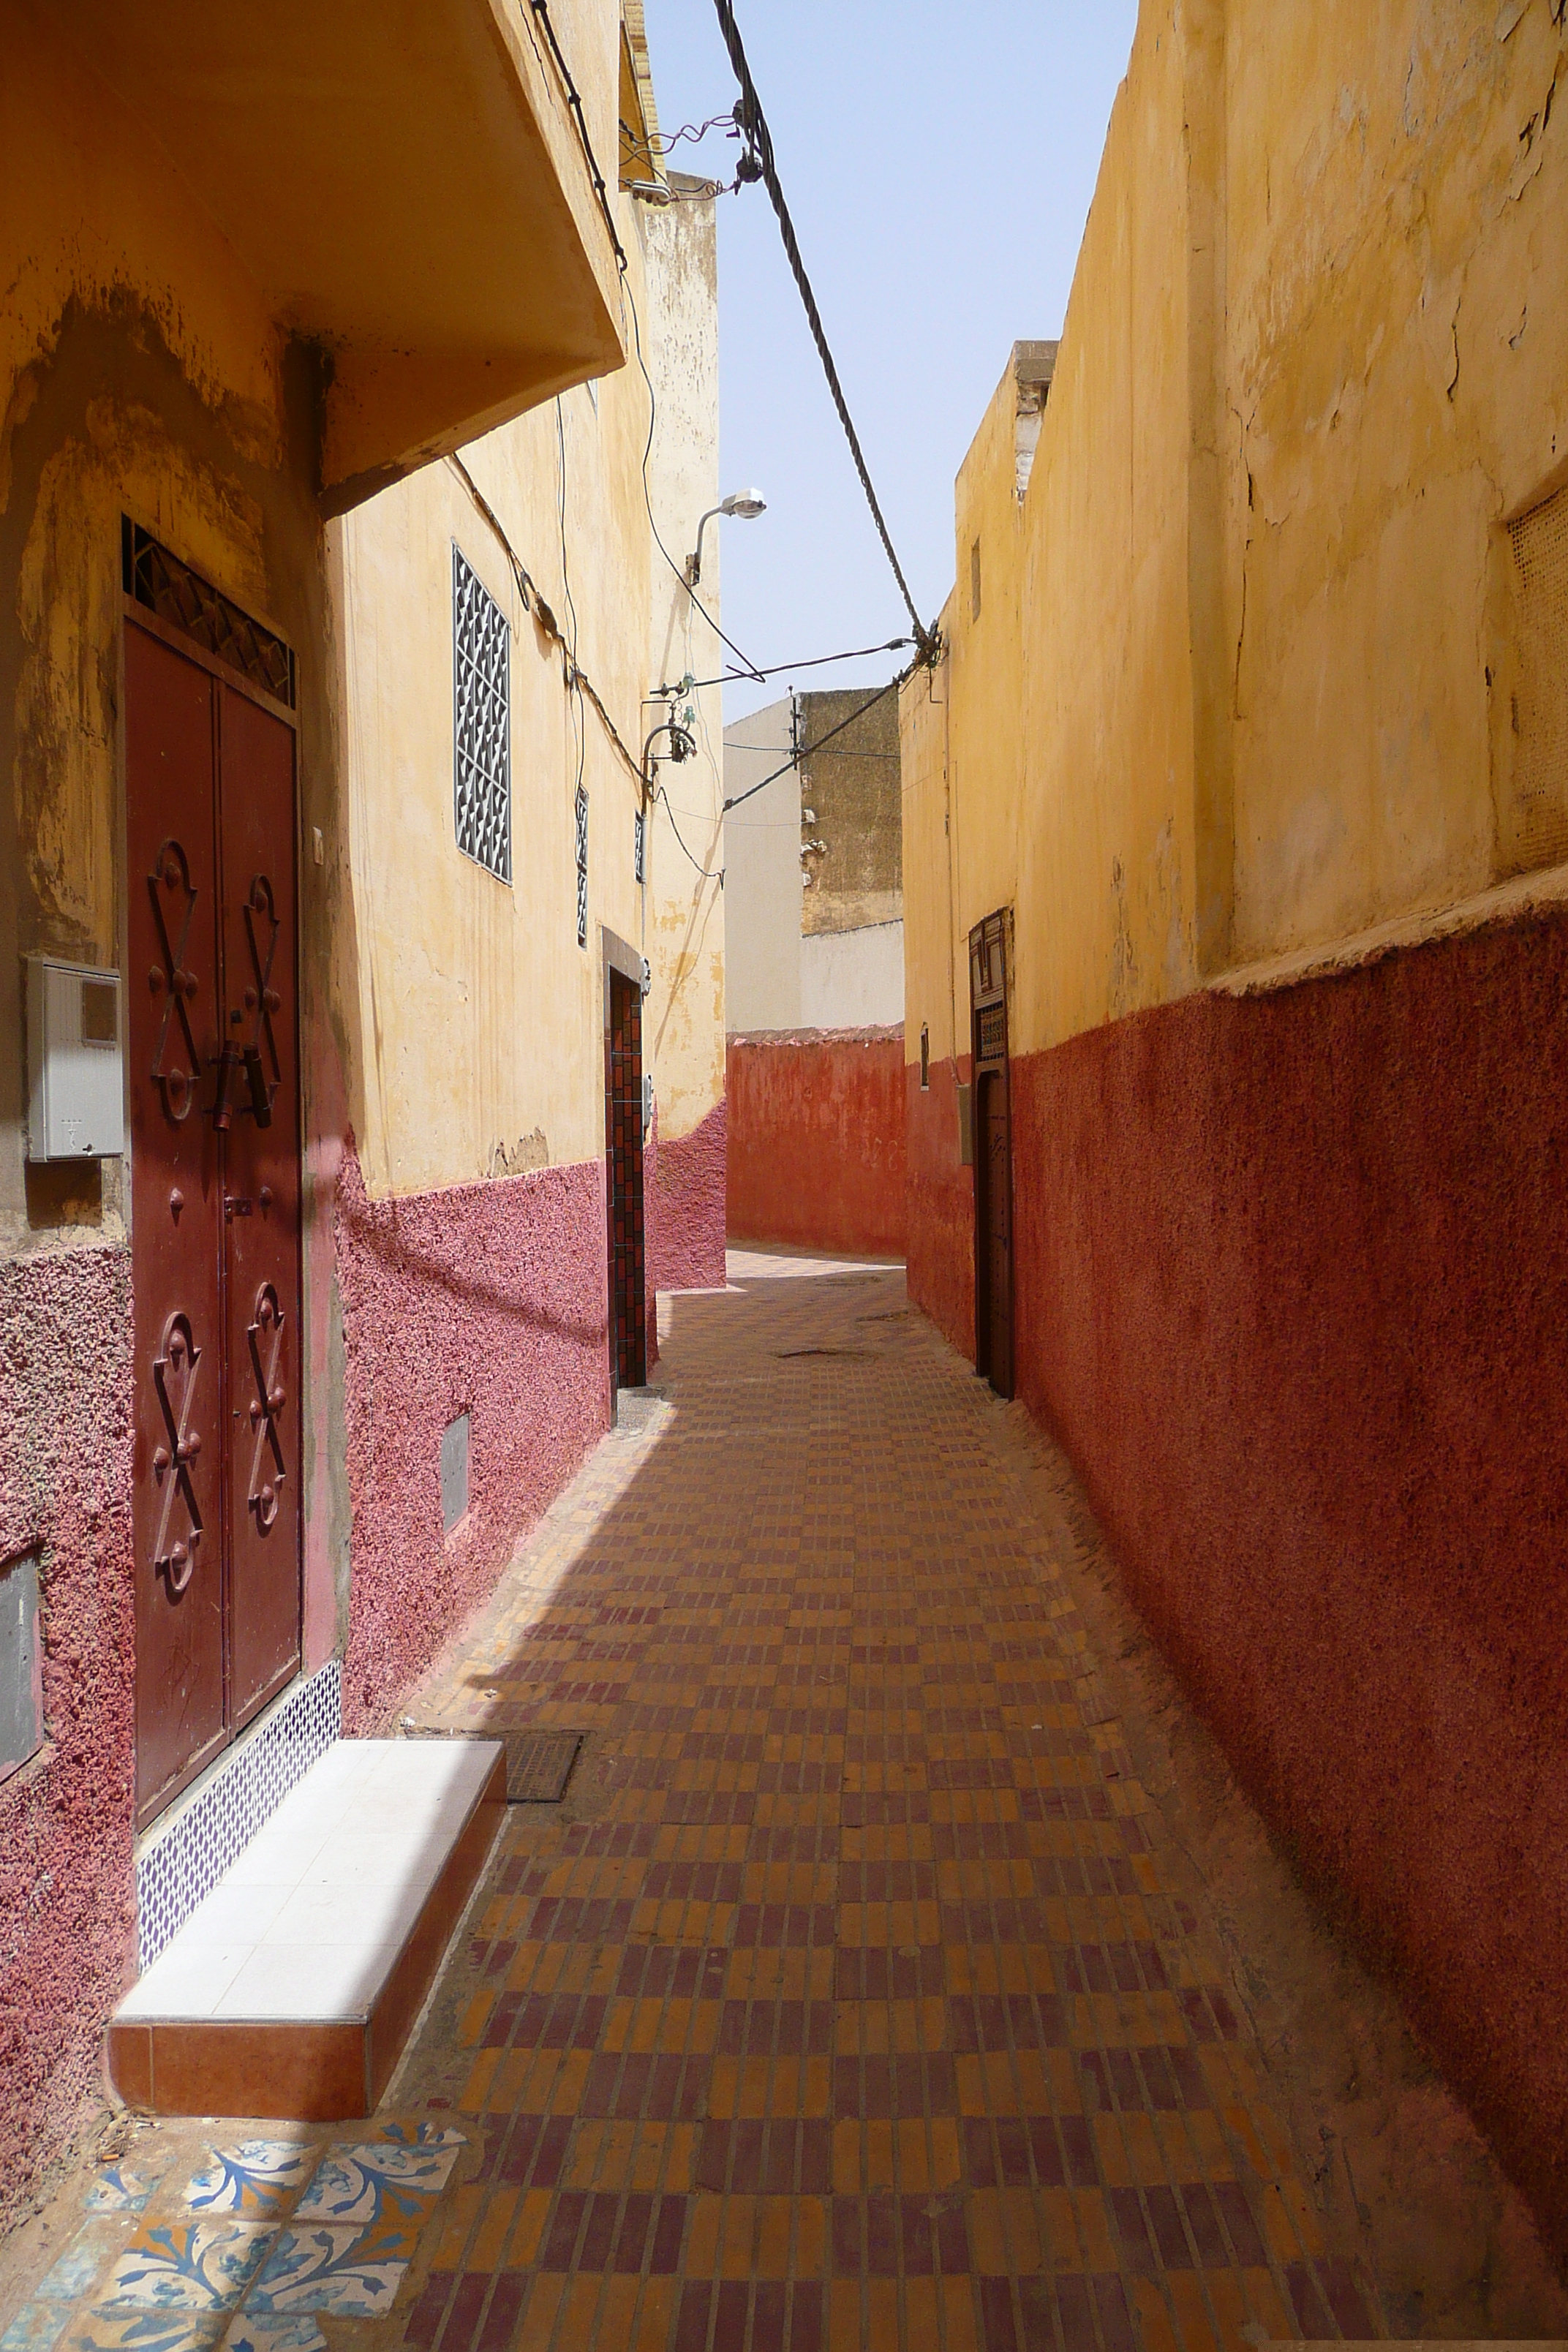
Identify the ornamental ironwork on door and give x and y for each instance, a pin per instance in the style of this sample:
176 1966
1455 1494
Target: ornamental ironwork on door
214 1092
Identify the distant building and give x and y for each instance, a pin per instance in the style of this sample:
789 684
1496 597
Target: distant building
813 865
815 971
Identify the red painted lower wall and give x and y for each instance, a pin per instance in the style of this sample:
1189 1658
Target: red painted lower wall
683 1195
67 1921
1292 1289
817 1139
940 1195
486 1298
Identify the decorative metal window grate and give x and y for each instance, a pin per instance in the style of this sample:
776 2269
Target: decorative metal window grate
154 578
639 846
582 866
481 722
991 1040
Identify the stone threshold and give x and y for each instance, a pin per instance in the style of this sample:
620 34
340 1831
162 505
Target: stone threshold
293 1986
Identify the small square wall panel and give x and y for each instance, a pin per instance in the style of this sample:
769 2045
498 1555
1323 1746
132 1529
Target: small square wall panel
21 1665
77 1087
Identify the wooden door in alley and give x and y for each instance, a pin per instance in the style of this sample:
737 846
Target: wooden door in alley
214 1184
988 944
624 1168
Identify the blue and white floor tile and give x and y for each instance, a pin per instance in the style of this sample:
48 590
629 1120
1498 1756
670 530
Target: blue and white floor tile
274 2332
346 2272
187 2266
256 2178
362 2183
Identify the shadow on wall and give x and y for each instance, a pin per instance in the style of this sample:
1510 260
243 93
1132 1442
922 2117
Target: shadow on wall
817 1139
484 1299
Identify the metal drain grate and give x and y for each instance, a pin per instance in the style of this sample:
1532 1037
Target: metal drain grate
539 1764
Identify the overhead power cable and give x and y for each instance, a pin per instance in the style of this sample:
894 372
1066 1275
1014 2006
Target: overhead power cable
753 125
717 875
748 667
574 101
600 189
808 751
777 669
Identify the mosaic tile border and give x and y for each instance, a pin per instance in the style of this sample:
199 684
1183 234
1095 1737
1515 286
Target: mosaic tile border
181 1868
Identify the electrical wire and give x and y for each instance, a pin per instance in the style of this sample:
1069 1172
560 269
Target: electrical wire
718 875
573 683
663 141
748 666
574 101
753 126
777 669
541 11
809 750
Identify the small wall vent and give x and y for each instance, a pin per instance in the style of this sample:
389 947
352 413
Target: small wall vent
454 1472
21 1665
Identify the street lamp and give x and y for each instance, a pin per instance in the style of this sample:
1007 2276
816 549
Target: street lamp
747 504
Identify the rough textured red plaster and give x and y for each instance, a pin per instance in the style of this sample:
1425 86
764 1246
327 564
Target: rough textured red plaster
684 1207
939 1194
1293 1289
485 1298
817 1138
66 1903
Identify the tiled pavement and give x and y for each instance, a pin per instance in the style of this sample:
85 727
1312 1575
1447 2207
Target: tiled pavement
847 2000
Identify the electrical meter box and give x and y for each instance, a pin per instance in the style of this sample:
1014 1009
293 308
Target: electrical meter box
76 1110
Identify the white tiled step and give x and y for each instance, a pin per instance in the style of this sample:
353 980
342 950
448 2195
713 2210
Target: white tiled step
334 1916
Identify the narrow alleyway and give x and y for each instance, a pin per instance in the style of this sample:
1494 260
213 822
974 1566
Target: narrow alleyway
856 1995
849 2002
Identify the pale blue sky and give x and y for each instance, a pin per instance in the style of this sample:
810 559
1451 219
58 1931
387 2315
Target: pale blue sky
939 165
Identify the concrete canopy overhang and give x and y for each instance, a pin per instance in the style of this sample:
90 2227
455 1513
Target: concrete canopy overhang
403 181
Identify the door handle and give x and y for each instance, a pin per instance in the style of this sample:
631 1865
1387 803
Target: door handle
228 1063
260 1093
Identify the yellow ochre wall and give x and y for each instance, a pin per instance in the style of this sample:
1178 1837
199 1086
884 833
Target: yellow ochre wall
1315 356
479 1017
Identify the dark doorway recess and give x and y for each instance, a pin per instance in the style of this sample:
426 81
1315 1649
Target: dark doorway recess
989 957
212 949
624 1164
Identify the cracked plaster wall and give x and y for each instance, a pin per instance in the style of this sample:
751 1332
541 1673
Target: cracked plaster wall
1237 685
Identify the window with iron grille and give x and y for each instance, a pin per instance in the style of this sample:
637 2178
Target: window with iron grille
481 722
582 866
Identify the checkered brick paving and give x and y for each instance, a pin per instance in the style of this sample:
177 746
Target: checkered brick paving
847 2000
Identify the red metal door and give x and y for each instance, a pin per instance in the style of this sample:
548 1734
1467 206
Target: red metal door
261 1228
994 1167
989 957
214 1207
623 1138
177 1212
